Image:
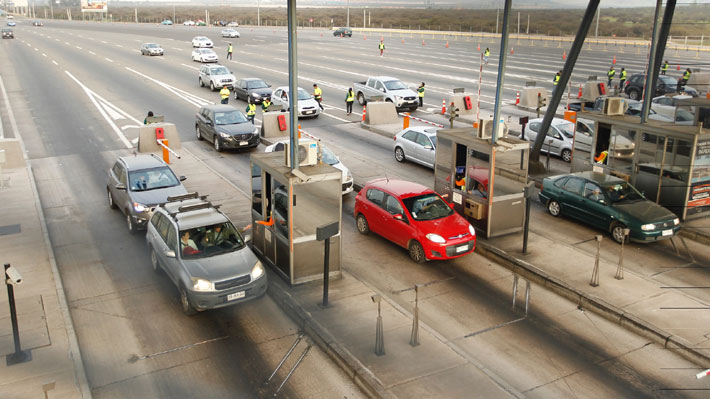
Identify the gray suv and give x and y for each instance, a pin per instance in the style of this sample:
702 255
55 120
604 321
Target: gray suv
203 254
215 76
137 184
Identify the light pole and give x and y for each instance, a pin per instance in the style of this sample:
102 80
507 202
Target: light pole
258 13
347 23
596 29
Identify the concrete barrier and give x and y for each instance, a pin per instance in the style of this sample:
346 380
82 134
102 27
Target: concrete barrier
381 113
147 141
528 96
458 101
14 158
270 125
590 90
700 81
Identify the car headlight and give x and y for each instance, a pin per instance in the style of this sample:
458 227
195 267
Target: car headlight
349 176
200 284
256 95
676 221
256 131
224 135
138 207
471 230
435 238
257 271
647 227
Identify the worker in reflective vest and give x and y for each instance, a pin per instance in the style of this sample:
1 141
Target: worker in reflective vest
265 105
318 95
349 99
602 157
486 54
224 93
229 51
420 92
622 79
664 68
251 110
556 81
381 47
610 75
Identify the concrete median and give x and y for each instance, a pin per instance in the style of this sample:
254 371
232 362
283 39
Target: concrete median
270 125
14 158
460 103
528 96
147 139
381 113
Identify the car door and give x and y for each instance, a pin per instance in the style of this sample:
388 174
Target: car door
241 88
121 196
555 140
409 145
372 209
426 150
209 124
595 209
664 106
570 197
397 231
531 131
114 179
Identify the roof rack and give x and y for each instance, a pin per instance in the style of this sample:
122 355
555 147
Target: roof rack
183 197
204 205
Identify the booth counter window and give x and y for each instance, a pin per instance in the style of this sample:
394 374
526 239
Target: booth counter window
315 205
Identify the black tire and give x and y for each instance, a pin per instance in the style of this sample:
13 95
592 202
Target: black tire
109 197
217 145
554 208
617 233
634 94
361 99
185 304
211 85
413 109
198 132
362 226
399 154
129 223
416 252
154 262
567 155
202 84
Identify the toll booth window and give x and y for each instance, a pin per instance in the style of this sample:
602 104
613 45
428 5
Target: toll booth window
256 196
280 212
443 159
621 150
602 144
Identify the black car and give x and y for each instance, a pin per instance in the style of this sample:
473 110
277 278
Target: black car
255 88
634 86
37 23
343 32
8 34
226 127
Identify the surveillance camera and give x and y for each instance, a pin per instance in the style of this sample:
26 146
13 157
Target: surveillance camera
376 298
13 276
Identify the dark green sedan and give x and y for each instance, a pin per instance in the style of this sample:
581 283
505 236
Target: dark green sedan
608 203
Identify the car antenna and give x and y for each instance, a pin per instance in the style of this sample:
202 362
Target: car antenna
388 179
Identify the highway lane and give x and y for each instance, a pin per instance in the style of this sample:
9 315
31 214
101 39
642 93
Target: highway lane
359 146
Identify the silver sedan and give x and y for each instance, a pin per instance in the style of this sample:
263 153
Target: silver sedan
416 144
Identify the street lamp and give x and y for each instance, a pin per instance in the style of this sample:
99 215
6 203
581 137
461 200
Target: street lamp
347 23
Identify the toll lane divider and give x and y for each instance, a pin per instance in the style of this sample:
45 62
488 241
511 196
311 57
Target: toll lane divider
407 116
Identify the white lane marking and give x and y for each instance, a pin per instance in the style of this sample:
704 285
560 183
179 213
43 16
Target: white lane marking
118 45
130 127
36 49
91 52
29 45
104 42
138 40
91 38
54 62
190 66
57 40
44 55
104 107
190 98
67 43
13 123
78 47
178 49
108 59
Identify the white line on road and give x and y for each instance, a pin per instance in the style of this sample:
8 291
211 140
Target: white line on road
108 59
54 62
178 49
191 66
191 98
67 43
78 47
57 40
44 55
91 52
104 42
118 45
13 123
36 49
29 45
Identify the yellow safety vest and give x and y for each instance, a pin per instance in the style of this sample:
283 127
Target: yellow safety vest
421 91
486 53
251 109
350 97
686 75
665 67
317 93
623 75
229 49
611 74
382 46
557 79
265 105
224 93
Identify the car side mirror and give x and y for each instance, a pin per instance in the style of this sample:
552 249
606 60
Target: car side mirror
248 238
451 205
209 122
398 216
428 147
169 253
268 85
183 178
120 186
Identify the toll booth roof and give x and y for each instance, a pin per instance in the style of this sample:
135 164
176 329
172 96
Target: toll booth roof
634 122
274 162
469 135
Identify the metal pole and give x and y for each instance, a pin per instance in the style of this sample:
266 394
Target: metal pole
595 273
658 47
497 16
564 78
596 29
326 272
292 83
620 267
527 30
174 22
526 226
364 19
518 23
347 23
19 356
379 334
501 71
258 13
515 288
414 338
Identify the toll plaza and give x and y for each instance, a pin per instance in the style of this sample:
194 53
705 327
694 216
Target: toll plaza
668 162
484 181
288 206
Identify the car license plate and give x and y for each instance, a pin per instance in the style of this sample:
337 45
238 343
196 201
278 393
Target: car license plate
308 112
462 248
667 233
236 295
243 143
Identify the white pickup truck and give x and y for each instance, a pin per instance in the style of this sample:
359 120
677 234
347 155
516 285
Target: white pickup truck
390 89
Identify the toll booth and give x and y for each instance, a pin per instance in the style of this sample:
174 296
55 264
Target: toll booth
484 182
668 162
296 205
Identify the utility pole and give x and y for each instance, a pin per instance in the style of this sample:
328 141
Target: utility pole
174 14
364 18
527 30
497 15
258 13
518 23
596 30
347 23
501 71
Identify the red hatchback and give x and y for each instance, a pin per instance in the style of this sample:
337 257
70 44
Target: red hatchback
414 217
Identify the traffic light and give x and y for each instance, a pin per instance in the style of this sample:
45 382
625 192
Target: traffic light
541 102
453 114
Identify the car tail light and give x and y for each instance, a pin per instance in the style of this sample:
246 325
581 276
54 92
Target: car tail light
395 138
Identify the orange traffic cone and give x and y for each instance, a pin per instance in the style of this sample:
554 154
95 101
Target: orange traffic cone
423 44
447 44
512 50
443 106
402 40
479 47
564 55
517 98
364 37
678 67
613 61
708 95
364 112
580 92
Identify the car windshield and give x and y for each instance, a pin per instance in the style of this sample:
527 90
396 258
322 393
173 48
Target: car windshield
152 45
229 118
566 128
206 51
682 115
152 179
219 71
622 192
303 95
395 85
667 80
328 156
207 241
427 207
257 84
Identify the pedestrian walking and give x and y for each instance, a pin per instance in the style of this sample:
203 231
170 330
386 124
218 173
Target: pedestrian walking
251 110
318 95
265 105
610 75
664 68
381 46
622 79
349 100
683 80
486 54
224 93
556 81
420 92
230 50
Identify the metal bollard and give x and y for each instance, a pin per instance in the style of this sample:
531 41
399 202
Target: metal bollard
620 269
515 288
595 273
549 144
405 123
379 335
527 296
414 338
12 278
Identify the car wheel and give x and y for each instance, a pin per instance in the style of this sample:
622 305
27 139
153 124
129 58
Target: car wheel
129 223
634 94
361 99
211 85
554 208
416 252
109 196
217 146
202 84
412 109
187 307
399 154
154 261
617 232
362 226
567 155
198 133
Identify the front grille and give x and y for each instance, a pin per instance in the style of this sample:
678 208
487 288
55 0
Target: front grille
458 236
664 225
235 282
451 249
409 98
347 185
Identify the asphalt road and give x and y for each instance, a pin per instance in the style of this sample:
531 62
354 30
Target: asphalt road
78 88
